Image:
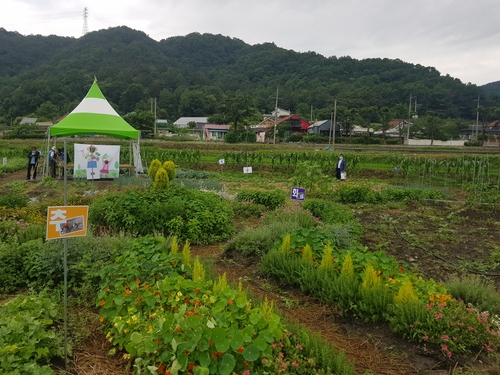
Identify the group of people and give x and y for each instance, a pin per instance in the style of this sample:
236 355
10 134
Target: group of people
56 156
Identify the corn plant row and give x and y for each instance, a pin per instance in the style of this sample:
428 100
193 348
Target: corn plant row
14 164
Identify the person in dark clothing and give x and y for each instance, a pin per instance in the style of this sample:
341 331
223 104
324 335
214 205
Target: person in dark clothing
53 161
340 171
61 156
33 156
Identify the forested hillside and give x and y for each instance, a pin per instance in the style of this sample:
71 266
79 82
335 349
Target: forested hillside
196 75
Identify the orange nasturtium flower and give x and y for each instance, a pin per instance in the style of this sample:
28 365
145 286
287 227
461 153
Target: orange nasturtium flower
103 302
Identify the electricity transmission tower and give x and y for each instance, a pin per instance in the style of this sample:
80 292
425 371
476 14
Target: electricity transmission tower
85 23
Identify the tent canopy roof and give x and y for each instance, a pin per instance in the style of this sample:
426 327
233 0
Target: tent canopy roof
94 115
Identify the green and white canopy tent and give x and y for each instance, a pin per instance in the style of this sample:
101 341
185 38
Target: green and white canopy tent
95 116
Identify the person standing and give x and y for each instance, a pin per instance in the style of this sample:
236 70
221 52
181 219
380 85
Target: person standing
53 161
33 156
340 171
61 156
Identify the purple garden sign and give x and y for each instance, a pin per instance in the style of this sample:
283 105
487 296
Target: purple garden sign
298 194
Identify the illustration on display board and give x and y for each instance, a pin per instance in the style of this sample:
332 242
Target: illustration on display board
96 162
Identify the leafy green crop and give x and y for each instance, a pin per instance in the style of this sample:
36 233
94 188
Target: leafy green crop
28 339
201 217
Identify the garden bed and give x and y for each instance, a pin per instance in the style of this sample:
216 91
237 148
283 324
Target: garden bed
437 240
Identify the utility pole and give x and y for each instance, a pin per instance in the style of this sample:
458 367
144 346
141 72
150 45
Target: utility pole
334 120
85 29
408 126
155 120
275 115
477 118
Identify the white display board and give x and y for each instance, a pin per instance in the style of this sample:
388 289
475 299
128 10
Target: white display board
96 161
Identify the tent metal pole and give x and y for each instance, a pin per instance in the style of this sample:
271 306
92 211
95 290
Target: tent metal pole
46 160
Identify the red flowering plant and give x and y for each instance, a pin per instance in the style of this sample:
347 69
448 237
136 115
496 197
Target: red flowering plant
301 354
454 327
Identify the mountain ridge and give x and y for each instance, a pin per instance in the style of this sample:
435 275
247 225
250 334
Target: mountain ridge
204 65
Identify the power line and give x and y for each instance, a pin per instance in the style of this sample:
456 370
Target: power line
98 19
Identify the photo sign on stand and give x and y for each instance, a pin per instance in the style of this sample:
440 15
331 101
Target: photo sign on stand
96 161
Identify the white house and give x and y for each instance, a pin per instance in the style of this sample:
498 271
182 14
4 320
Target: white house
184 121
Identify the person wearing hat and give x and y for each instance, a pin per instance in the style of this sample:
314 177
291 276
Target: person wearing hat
33 156
53 161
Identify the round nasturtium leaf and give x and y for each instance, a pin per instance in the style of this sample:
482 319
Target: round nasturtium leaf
237 341
251 353
227 364
204 359
222 345
260 343
218 334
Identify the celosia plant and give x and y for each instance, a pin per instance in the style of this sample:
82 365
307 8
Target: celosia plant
186 254
307 254
327 260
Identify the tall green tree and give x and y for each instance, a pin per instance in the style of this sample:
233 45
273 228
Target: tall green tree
237 110
430 126
141 120
132 96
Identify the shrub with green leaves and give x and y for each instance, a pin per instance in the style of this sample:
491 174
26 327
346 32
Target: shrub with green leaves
457 329
13 200
191 174
20 231
258 241
333 213
353 193
247 209
201 217
200 184
14 164
475 290
39 264
28 337
362 192
296 215
330 212
310 176
270 199
13 274
300 352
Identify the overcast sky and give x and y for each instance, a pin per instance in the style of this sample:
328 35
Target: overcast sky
457 37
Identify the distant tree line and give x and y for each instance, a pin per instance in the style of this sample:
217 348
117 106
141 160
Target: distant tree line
226 79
